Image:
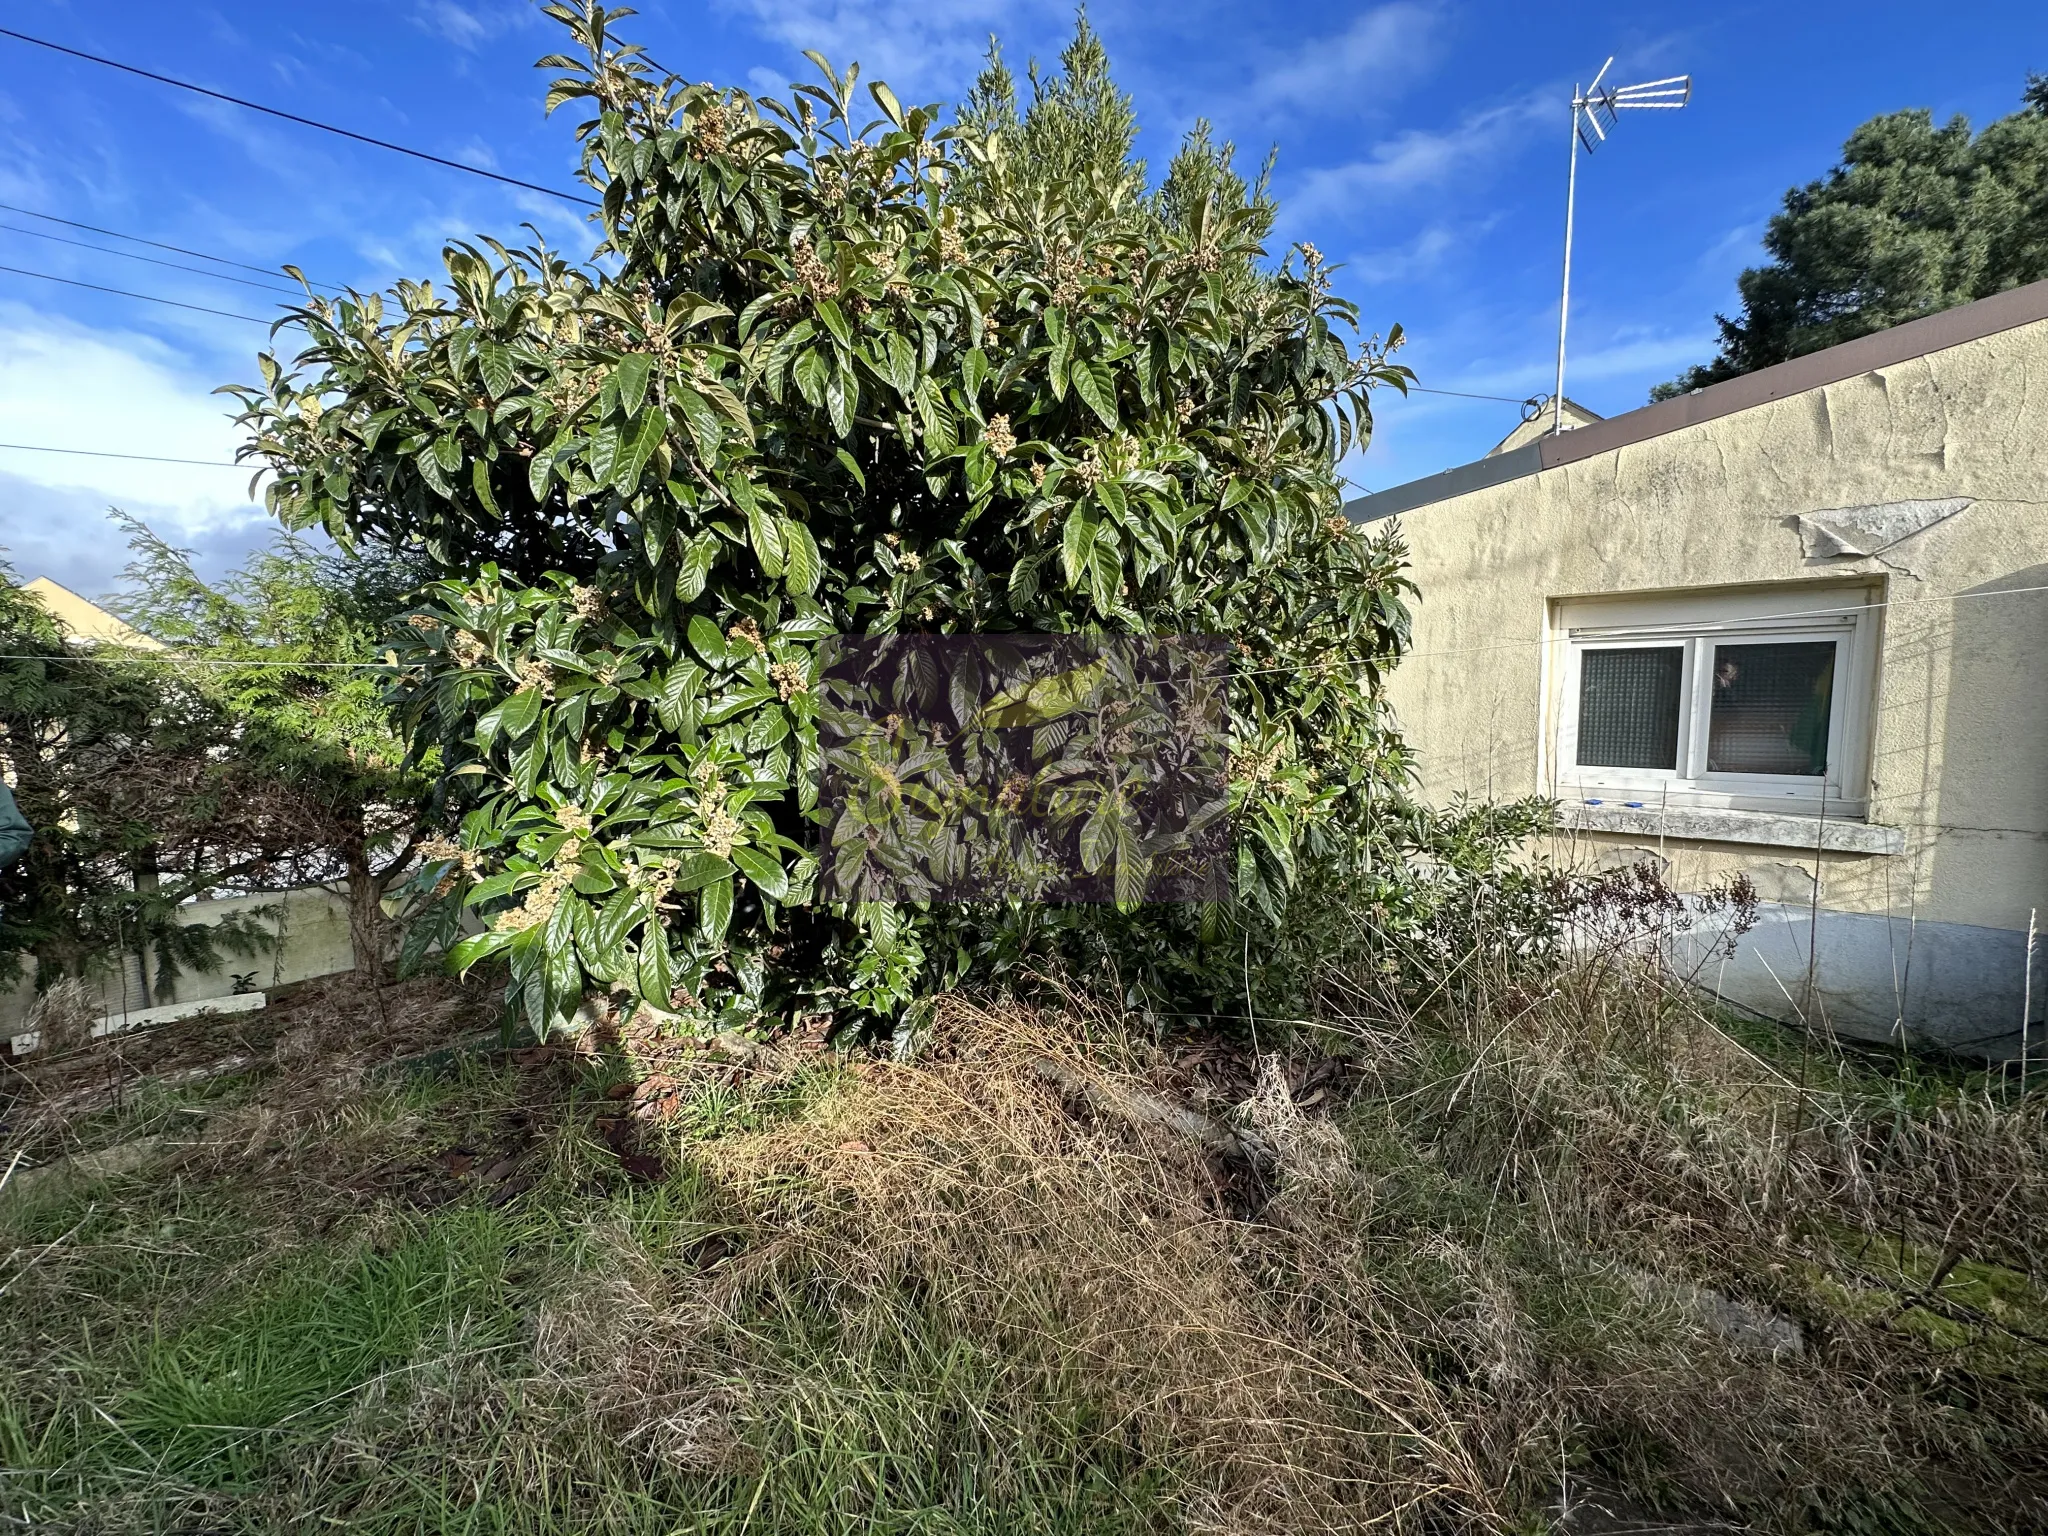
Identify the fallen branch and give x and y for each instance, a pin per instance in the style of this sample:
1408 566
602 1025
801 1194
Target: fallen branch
1135 1107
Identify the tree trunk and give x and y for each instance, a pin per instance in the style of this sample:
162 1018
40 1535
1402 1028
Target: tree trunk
367 930
147 881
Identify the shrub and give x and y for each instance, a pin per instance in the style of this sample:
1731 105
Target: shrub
830 378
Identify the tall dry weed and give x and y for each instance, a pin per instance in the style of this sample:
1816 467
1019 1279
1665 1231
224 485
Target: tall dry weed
1082 1251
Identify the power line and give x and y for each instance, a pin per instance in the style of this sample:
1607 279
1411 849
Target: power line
1417 389
175 266
172 658
146 458
1716 626
150 298
94 229
293 117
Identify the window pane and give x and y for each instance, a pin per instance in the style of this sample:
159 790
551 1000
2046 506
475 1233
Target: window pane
1770 712
1628 707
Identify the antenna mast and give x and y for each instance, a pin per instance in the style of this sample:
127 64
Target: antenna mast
1593 113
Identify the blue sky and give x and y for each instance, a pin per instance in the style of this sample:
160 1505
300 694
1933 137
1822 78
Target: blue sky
1422 144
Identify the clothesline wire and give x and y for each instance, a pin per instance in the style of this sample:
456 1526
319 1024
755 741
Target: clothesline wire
146 458
173 658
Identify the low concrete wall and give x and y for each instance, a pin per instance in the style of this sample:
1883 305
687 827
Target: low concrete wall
313 931
1871 977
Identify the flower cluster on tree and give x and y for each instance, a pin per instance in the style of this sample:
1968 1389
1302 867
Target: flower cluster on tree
840 371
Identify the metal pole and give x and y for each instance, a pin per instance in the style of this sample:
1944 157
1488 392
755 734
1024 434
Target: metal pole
2027 996
1564 303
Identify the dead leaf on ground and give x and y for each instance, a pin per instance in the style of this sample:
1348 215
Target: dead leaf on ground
641 1167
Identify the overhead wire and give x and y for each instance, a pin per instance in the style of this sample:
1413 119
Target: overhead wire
293 117
1466 394
171 658
1716 626
120 234
154 261
148 298
147 458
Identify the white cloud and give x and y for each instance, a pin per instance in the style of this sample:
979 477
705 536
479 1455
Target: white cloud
1419 157
1638 357
64 386
1423 256
1372 57
922 47
467 26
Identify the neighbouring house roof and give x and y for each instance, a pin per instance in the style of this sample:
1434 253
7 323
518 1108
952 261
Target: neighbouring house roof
1538 425
86 621
1882 349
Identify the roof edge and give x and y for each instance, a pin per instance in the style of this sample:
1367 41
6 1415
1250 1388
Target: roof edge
1881 349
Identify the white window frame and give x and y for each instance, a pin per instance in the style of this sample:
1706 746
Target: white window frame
1697 622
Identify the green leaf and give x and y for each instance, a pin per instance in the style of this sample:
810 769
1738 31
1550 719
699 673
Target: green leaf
835 321
480 482
810 374
542 470
701 418
604 453
1105 575
1098 833
852 468
764 871
714 912
902 366
839 403
699 555
764 532
700 870
631 376
886 100
494 359
520 712
1076 540
803 567
678 692
653 427
657 966
1062 353
478 946
601 934
1096 386
707 642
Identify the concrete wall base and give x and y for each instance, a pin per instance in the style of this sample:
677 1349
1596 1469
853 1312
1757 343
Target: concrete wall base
1879 979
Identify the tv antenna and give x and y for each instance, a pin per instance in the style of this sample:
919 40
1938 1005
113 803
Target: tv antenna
1595 110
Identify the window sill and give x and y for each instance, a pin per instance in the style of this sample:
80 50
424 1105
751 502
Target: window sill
1758 828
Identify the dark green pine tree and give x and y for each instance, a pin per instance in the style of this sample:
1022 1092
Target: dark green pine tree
1080 131
1915 219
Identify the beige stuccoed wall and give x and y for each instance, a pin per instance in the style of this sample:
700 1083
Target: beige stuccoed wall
1960 741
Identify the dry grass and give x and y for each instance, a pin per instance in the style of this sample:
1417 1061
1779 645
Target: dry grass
966 1196
1577 1247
